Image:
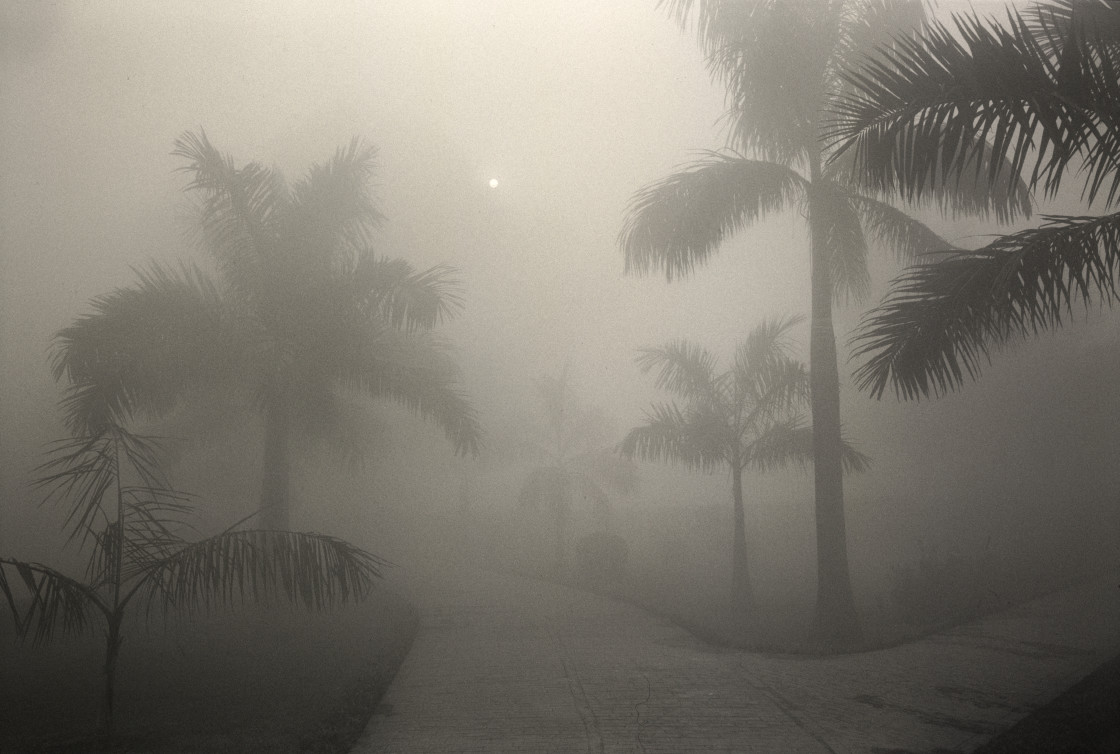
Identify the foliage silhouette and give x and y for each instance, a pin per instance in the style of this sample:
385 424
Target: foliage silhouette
578 461
122 509
302 316
748 416
1043 89
781 65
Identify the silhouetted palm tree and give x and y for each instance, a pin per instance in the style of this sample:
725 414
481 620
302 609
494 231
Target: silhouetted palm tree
1043 89
122 508
780 62
746 417
578 462
301 315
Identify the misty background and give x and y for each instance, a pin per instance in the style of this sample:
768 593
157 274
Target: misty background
572 106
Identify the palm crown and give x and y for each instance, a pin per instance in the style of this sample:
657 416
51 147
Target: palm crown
749 416
1032 100
301 314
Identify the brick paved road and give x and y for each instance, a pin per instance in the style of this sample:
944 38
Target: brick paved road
508 664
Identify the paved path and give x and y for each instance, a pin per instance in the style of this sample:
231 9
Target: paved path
509 664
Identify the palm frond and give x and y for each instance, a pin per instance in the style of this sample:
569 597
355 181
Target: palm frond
789 441
770 56
847 248
392 291
684 368
907 238
333 208
780 444
715 19
1053 22
153 519
766 343
853 461
55 602
239 212
679 222
84 472
969 194
866 25
774 65
313 570
417 372
144 454
88 473
144 347
671 436
937 107
940 321
143 540
102 561
769 382
771 390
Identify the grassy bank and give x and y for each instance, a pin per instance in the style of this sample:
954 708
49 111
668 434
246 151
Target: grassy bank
253 680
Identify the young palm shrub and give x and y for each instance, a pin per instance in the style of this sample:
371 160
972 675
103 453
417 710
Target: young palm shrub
749 416
121 508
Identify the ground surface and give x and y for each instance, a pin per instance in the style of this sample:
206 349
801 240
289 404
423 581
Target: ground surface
271 680
1085 719
503 663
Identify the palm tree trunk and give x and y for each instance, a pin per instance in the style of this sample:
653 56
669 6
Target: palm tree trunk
275 484
741 596
112 650
837 624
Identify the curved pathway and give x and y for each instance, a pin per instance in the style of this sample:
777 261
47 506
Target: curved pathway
503 663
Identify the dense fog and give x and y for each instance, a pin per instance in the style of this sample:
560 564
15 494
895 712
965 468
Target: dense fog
570 107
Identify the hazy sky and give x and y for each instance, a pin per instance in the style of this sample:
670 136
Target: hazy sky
571 105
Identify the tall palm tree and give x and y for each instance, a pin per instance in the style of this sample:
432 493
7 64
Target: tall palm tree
301 315
577 462
123 510
1044 87
781 62
746 417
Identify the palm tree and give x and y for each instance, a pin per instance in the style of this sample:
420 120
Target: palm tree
746 417
781 63
301 315
124 511
577 462
1043 87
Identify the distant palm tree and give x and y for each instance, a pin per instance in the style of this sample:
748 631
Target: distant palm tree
746 417
1043 87
781 63
122 508
302 315
578 462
